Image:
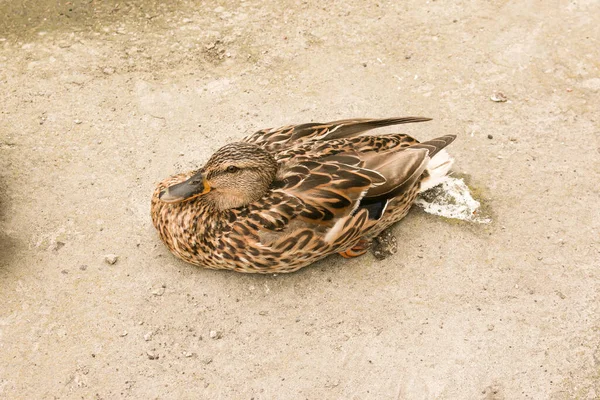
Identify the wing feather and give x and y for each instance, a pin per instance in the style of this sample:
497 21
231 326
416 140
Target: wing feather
277 139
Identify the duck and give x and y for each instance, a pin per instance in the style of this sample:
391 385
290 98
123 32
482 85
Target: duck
282 198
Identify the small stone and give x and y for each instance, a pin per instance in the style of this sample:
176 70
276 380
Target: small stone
125 333
160 291
56 246
64 272
498 97
512 139
263 313
108 71
187 354
490 137
490 327
207 360
148 336
83 267
111 258
215 334
332 384
77 121
559 294
152 355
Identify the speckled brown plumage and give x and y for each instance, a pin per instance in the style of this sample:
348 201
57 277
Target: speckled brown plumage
284 198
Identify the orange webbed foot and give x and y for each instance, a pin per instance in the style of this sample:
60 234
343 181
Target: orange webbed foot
357 250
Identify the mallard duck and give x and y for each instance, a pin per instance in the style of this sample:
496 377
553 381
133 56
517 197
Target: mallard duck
283 198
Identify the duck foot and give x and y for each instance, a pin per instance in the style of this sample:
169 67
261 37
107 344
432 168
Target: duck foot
358 250
384 245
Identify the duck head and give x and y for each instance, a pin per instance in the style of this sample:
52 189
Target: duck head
236 175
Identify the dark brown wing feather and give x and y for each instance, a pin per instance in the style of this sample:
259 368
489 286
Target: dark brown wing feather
435 145
318 193
328 190
277 139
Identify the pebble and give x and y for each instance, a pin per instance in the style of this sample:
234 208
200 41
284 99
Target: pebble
83 267
148 336
332 384
57 246
499 97
187 354
207 360
108 70
152 355
125 333
78 121
490 137
160 291
215 334
111 258
490 327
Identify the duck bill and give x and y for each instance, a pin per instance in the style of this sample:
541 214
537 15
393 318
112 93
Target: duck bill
187 190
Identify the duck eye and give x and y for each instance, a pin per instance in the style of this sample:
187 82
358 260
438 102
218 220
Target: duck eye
232 168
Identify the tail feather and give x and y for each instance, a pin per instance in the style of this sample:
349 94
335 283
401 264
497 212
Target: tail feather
440 163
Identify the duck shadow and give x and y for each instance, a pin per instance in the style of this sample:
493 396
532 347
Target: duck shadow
8 245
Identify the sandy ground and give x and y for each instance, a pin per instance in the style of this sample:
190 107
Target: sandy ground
100 100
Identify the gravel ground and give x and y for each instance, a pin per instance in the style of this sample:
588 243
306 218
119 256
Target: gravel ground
103 99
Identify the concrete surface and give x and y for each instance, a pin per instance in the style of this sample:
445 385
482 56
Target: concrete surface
100 100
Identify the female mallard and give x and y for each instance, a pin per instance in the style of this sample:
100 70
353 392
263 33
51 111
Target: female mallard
283 198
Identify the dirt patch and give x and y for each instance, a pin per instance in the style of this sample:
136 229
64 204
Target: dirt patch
104 99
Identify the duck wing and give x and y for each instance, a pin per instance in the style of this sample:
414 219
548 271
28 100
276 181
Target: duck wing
399 159
277 139
310 212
